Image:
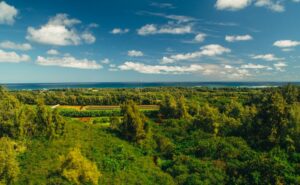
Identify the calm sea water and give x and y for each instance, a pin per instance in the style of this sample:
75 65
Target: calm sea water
39 86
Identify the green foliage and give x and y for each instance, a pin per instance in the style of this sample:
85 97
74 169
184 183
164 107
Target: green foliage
79 170
170 108
133 126
12 117
199 136
50 123
89 113
9 166
208 119
19 121
118 161
190 171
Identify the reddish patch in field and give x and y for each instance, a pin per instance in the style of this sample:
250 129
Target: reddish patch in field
86 120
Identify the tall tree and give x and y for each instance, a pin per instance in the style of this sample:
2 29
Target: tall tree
133 125
182 109
168 108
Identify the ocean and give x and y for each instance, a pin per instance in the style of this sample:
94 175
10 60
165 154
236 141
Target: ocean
48 86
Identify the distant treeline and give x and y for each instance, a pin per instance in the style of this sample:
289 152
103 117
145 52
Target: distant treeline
146 96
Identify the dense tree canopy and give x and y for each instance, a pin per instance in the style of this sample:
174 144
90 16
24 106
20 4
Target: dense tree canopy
198 136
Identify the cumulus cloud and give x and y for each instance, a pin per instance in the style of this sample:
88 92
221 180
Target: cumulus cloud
204 69
280 66
232 5
236 38
60 30
68 61
88 38
116 31
152 29
286 43
13 57
105 61
208 51
52 52
15 46
200 37
135 53
274 6
8 13
267 57
159 69
255 66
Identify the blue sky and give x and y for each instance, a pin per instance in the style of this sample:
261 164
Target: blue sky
149 40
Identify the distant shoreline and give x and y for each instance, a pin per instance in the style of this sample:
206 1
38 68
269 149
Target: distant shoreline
103 85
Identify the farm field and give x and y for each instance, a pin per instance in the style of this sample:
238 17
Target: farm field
105 107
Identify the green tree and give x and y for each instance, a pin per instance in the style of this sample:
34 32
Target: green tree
168 108
79 170
182 109
9 167
133 125
290 93
271 125
208 119
11 115
293 138
50 123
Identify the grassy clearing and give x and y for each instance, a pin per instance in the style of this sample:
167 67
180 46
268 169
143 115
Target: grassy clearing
118 161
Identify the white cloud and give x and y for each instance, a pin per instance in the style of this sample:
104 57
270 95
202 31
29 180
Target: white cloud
236 38
119 31
208 50
88 38
274 6
280 66
200 37
105 61
15 46
167 60
68 61
152 29
13 57
135 53
232 4
52 52
60 30
286 43
8 13
254 66
204 69
159 69
267 57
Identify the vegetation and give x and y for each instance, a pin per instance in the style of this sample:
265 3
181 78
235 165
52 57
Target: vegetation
198 136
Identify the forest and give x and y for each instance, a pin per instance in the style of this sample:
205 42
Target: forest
145 136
